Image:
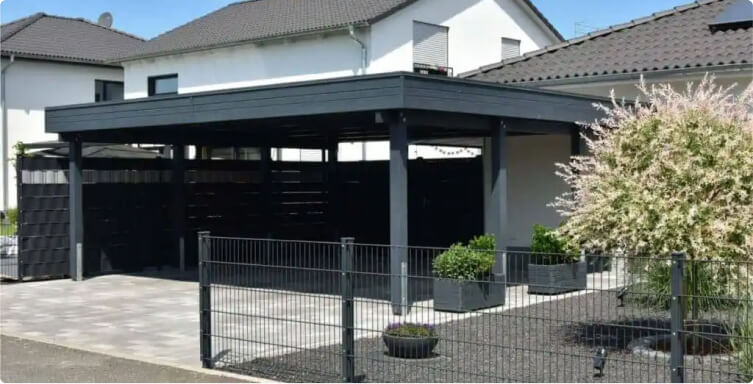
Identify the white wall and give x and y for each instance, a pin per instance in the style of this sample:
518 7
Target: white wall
476 28
249 65
33 85
532 183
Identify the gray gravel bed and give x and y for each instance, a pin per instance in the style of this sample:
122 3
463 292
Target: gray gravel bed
547 342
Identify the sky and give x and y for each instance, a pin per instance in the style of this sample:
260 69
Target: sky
149 18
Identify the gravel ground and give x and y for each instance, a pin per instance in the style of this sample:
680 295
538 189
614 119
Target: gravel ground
546 342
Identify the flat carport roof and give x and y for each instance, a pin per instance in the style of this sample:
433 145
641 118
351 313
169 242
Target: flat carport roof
399 107
294 113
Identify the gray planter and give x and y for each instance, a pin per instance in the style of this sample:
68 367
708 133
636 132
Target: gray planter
466 296
410 347
557 278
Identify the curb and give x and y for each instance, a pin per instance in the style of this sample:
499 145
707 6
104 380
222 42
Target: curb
203 371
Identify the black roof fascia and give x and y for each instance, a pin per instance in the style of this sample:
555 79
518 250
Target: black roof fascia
391 91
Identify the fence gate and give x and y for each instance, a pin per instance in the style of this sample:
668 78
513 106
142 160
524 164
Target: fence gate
319 311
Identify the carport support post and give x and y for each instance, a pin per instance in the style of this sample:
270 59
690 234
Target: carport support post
76 208
399 214
179 202
333 185
497 203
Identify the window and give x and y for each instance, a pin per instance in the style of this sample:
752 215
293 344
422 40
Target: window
510 48
163 85
107 90
430 52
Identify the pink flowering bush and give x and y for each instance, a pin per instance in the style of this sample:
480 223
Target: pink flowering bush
674 172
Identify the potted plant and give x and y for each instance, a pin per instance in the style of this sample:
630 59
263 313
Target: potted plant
464 280
555 266
410 340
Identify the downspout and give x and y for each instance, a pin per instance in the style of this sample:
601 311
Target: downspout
364 52
4 138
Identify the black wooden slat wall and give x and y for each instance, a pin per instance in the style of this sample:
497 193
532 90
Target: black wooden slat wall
128 216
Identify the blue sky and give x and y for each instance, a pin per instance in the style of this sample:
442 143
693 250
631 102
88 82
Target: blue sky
148 18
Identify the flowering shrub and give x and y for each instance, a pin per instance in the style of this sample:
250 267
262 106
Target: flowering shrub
673 173
411 330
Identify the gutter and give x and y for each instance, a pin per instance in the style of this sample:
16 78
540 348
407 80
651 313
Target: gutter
4 138
632 76
364 50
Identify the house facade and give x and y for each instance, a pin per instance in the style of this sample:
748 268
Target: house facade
254 43
50 61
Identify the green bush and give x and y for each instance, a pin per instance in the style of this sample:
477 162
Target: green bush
742 342
551 248
462 262
483 243
706 286
12 214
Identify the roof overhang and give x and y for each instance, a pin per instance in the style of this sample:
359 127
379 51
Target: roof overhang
436 100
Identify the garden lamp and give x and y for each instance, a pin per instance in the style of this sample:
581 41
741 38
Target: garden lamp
600 360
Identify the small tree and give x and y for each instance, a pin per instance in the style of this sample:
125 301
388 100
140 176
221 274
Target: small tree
674 173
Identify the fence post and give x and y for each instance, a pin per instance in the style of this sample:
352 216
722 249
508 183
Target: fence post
205 301
676 312
346 290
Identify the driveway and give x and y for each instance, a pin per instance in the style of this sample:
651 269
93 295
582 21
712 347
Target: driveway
157 320
148 318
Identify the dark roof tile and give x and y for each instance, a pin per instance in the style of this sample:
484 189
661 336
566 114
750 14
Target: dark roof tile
679 37
64 39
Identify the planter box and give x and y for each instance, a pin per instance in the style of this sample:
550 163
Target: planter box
598 264
410 347
557 278
466 296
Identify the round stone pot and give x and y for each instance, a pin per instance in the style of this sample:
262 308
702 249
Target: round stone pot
410 347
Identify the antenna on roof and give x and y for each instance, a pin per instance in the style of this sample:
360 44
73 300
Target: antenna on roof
105 20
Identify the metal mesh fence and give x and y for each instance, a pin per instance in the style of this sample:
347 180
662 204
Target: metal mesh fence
8 252
321 311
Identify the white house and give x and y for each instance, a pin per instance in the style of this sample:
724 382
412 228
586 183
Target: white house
253 43
49 61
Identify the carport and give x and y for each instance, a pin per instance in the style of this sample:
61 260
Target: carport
403 108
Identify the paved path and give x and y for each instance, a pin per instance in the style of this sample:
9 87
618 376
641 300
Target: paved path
26 361
157 320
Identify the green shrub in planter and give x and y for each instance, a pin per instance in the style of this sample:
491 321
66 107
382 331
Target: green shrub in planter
465 279
483 243
463 263
551 248
555 267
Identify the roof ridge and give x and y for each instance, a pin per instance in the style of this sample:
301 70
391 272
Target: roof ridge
590 36
87 21
24 21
